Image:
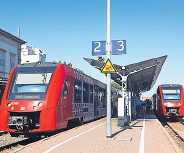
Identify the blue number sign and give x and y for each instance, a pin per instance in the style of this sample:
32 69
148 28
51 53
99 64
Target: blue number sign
98 48
118 47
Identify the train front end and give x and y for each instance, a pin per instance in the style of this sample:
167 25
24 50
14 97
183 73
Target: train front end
25 108
172 101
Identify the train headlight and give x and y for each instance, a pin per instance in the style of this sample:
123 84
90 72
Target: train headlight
40 104
35 108
9 105
169 104
22 108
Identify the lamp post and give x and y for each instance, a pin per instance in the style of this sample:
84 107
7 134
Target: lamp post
108 54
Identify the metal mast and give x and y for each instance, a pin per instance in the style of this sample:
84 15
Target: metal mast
108 54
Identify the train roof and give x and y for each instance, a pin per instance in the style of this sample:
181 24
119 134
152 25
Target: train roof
37 64
53 64
80 72
170 85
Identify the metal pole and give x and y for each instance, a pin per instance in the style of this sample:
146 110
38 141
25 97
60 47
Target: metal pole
123 98
108 53
130 107
126 104
18 32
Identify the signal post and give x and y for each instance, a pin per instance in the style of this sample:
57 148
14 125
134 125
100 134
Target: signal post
108 52
108 47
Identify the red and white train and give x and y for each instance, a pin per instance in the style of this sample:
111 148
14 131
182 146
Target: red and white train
169 101
41 98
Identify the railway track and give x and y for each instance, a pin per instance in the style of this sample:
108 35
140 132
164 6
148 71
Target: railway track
176 130
8 143
13 144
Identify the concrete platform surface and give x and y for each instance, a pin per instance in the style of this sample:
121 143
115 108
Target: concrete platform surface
143 136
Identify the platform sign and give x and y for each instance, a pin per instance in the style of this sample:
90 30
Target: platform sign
98 48
118 47
108 67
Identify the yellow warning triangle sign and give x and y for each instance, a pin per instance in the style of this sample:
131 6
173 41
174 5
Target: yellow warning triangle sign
108 67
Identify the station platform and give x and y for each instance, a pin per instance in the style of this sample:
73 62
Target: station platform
144 135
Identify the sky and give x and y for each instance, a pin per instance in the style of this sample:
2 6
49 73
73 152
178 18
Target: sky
65 29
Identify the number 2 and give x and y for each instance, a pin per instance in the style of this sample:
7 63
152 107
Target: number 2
98 45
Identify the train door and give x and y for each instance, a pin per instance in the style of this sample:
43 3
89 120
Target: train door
159 103
78 99
91 100
96 101
86 104
182 102
67 98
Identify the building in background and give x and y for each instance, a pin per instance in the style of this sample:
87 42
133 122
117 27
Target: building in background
10 50
31 55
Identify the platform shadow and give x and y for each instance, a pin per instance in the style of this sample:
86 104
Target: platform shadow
126 128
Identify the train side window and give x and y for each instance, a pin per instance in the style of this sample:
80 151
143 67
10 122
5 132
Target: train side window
85 92
65 89
91 94
96 95
78 91
103 98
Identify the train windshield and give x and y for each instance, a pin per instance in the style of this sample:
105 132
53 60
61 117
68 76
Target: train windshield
31 82
171 94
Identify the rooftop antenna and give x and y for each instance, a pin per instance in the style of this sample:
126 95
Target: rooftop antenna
18 32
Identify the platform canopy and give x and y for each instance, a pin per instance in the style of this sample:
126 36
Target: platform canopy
141 76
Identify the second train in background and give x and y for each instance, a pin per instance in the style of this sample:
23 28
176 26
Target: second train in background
168 102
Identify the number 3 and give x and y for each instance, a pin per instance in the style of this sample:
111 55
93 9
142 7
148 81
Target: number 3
121 45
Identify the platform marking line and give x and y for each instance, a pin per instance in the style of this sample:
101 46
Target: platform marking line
72 138
141 145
